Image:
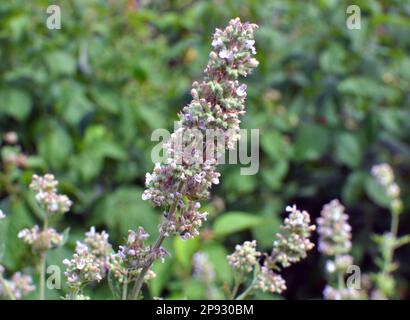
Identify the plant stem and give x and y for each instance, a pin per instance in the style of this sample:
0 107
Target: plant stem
6 288
340 281
140 280
244 294
394 227
237 284
42 264
125 290
42 281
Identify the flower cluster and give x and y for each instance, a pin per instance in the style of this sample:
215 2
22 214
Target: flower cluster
269 281
331 293
334 229
291 246
335 243
245 257
293 242
98 245
41 240
2 215
339 264
90 262
128 262
187 223
11 153
217 102
83 268
384 175
18 285
45 189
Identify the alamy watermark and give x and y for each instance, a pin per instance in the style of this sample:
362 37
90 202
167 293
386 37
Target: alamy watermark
53 21
195 146
353 20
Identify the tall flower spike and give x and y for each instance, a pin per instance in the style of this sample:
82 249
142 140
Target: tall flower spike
293 241
217 102
334 229
384 175
245 257
335 243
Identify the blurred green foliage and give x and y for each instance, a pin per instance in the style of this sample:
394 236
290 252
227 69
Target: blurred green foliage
329 102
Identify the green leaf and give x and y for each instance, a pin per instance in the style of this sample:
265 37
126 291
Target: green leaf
274 175
60 63
274 144
18 219
55 147
348 150
184 250
232 222
124 210
164 273
311 142
376 192
217 256
353 188
15 103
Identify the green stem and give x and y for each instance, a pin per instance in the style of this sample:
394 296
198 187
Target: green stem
394 227
340 281
42 281
42 266
6 288
140 279
125 290
237 284
244 294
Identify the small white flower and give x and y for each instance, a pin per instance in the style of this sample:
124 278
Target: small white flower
2 215
249 45
53 207
330 266
149 178
145 196
217 43
225 54
291 208
241 91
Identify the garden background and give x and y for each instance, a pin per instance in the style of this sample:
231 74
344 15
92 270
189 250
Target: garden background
329 102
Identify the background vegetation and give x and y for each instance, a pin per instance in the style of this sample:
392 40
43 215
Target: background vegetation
329 102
